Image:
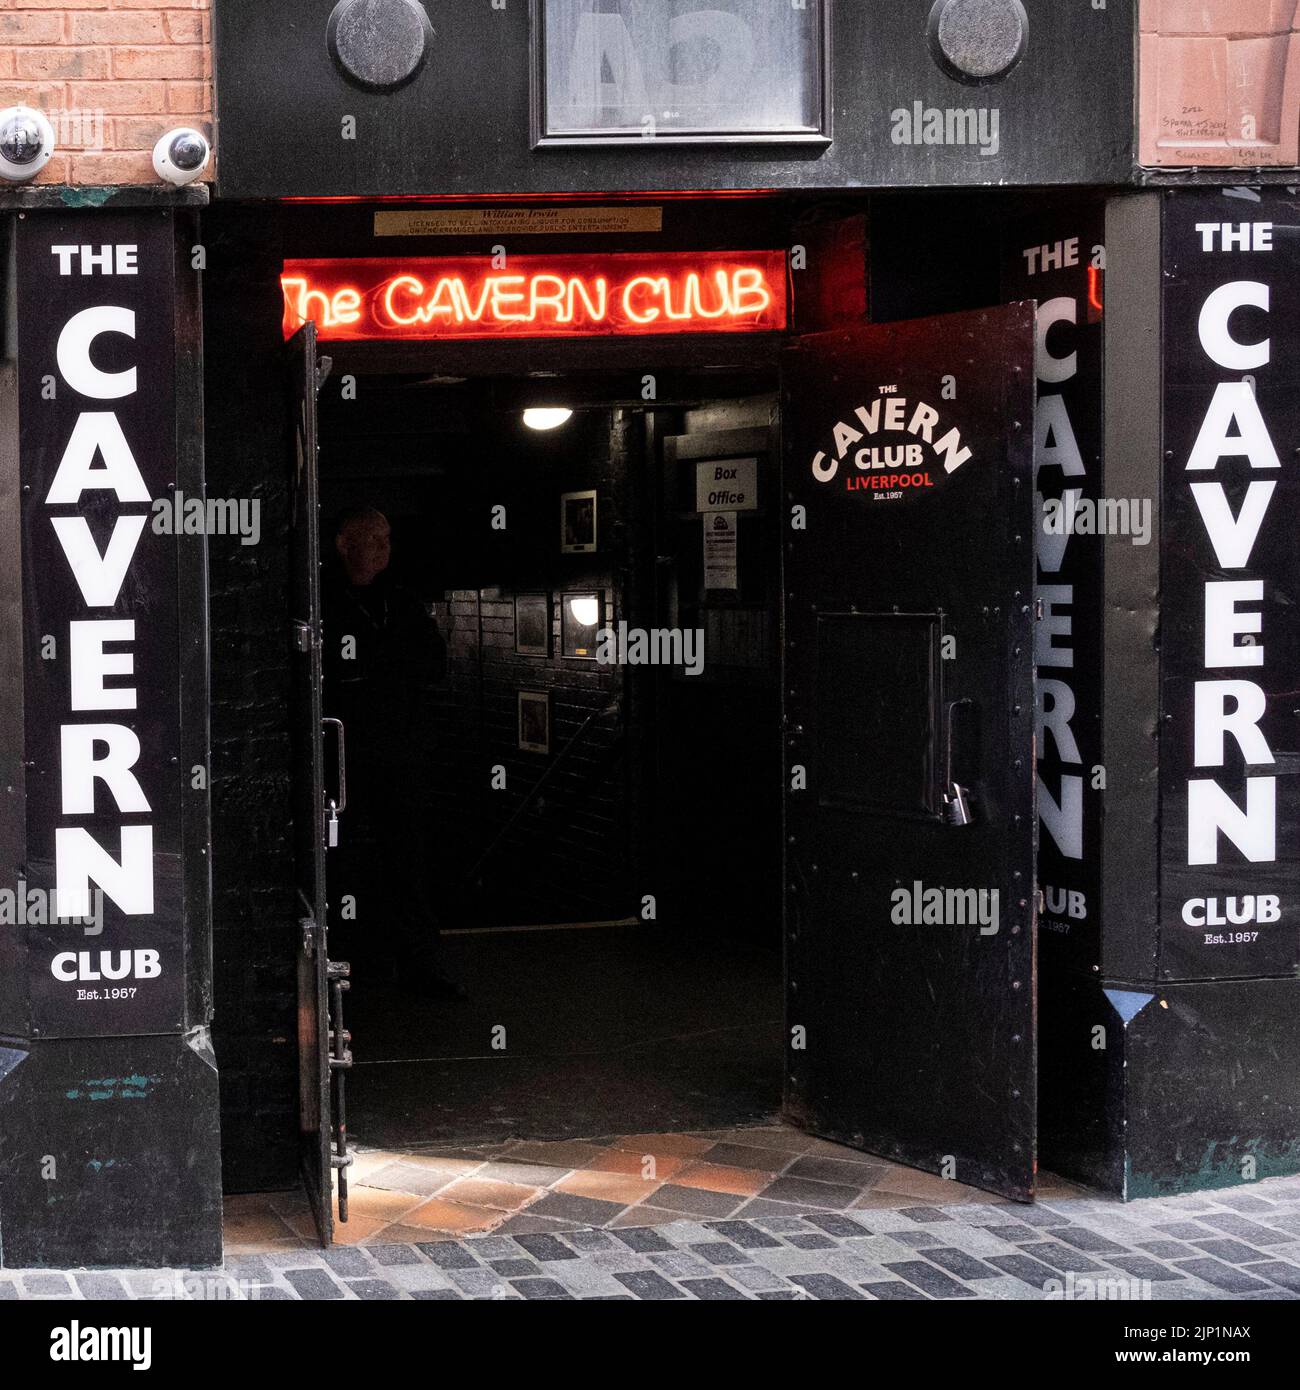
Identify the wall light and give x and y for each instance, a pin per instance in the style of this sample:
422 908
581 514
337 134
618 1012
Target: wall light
546 417
585 610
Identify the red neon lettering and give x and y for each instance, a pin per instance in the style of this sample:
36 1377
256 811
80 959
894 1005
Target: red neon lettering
680 315
412 286
694 303
347 306
670 292
750 294
305 296
442 301
461 295
597 309
561 298
634 284
341 308
500 295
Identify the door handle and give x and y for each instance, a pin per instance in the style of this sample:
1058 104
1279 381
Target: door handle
334 809
956 797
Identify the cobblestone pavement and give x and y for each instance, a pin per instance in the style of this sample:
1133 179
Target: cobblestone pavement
936 1241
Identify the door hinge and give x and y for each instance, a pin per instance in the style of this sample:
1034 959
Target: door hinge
1038 609
308 929
302 636
337 972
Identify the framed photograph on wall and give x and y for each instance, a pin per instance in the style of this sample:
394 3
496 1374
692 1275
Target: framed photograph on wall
637 72
577 523
582 615
533 624
534 721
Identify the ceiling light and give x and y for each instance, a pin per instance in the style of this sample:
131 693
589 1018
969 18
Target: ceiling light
546 417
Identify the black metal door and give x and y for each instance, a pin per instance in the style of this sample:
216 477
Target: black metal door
909 719
309 783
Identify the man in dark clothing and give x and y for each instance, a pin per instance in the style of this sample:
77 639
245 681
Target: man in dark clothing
383 656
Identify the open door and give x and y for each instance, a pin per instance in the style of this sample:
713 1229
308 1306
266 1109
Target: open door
309 782
909 724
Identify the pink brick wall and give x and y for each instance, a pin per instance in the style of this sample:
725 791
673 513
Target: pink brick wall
112 76
1220 83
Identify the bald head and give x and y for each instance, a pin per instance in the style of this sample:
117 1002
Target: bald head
362 541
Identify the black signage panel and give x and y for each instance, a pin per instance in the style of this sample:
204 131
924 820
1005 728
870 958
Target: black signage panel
1060 262
101 898
1230 582
694 96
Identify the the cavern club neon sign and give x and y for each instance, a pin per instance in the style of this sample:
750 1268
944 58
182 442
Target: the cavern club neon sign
538 296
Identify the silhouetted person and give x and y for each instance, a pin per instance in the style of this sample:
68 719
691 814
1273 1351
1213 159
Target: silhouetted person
383 656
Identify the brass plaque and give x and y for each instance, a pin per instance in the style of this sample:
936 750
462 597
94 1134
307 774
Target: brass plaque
517 221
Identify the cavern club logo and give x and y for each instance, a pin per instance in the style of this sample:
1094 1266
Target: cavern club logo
509 296
892 448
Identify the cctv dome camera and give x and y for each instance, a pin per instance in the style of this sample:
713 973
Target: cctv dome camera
181 155
26 143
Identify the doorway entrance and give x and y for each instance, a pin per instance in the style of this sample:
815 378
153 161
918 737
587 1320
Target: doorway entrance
599 796
608 817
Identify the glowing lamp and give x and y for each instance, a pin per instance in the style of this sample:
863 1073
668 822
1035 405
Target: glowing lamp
586 611
546 417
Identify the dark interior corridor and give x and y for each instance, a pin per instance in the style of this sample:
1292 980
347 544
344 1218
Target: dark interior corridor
571 1033
644 784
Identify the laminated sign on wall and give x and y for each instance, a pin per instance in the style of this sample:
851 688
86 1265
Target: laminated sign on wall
720 550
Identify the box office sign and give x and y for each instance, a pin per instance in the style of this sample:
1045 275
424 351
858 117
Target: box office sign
100 626
1230 645
726 485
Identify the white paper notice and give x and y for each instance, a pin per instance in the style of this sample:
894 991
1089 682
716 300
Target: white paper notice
720 550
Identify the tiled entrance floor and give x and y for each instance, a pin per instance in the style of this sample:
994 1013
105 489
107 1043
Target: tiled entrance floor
763 1213
766 1213
526 1187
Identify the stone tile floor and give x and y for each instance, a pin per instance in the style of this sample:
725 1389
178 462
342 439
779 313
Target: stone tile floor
761 1213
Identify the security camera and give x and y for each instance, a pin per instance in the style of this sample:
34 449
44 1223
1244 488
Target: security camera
181 155
26 143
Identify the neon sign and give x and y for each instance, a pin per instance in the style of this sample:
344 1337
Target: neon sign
537 296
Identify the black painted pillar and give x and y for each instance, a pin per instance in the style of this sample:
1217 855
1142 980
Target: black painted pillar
109 1140
1173 1062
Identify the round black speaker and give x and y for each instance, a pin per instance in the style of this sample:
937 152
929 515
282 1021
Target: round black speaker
380 44
978 41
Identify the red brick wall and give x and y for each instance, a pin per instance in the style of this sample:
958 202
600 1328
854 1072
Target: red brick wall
112 75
